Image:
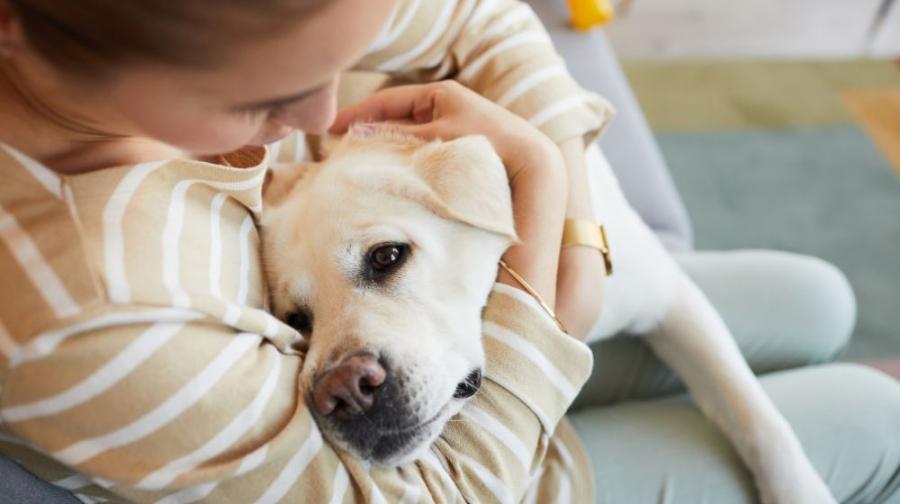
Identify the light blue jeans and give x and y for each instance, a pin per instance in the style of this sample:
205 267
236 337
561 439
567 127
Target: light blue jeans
789 313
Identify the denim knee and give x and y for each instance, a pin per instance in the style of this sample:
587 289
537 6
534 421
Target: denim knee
831 304
871 422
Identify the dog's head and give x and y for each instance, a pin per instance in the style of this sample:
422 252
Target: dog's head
383 256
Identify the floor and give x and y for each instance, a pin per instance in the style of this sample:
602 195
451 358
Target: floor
795 156
878 110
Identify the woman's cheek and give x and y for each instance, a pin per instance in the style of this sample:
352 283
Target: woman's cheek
313 114
210 135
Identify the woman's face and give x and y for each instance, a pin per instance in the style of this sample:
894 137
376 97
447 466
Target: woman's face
267 89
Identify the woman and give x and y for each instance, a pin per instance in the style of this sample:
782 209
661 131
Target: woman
140 351
138 348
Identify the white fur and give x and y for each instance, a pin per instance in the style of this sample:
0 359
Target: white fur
651 296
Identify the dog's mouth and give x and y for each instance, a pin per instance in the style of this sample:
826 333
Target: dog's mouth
394 446
385 445
378 412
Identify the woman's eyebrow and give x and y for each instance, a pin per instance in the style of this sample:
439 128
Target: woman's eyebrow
280 101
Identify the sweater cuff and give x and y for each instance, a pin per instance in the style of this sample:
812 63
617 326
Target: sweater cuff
585 115
530 357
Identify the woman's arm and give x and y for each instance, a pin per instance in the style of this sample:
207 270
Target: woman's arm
192 410
501 50
582 272
497 48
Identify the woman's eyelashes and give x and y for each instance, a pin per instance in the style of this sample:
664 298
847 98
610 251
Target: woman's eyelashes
252 113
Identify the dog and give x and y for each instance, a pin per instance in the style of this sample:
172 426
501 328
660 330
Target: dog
383 257
384 254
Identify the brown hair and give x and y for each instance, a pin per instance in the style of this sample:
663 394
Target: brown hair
93 38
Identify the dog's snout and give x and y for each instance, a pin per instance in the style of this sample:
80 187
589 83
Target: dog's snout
350 388
469 386
380 410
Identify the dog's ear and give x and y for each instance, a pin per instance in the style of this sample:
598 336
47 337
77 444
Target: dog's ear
281 179
467 183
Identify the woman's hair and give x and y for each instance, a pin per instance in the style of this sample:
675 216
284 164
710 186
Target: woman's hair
94 38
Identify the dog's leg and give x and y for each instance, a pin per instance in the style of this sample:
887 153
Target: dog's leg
693 339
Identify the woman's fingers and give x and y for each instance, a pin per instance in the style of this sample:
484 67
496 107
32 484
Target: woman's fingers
426 131
447 110
414 103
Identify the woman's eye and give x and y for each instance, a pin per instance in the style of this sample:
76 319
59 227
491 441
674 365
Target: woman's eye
385 258
301 321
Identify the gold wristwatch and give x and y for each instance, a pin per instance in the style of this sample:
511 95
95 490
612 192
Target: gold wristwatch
585 233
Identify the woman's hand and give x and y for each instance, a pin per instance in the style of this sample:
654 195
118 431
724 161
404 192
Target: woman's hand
534 164
448 110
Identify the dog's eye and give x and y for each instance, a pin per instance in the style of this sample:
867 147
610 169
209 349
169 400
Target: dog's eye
385 258
301 321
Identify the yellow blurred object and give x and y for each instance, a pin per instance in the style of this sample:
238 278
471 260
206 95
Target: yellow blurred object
587 14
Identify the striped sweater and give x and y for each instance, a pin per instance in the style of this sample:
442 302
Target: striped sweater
139 362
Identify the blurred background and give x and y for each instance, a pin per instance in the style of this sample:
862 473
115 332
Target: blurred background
780 122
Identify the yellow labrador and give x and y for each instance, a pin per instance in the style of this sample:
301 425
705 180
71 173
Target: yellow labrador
383 256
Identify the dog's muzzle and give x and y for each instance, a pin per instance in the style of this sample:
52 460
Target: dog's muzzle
362 401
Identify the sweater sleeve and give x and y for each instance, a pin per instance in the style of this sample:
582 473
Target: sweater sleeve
164 404
498 48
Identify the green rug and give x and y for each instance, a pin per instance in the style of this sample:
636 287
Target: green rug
767 155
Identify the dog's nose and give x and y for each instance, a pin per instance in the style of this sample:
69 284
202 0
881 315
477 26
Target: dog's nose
349 389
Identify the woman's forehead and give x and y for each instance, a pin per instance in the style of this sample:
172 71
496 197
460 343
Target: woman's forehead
297 60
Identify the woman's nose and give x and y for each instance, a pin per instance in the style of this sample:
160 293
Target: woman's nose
312 115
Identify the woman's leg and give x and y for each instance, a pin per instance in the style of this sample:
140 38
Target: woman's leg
20 486
785 310
846 416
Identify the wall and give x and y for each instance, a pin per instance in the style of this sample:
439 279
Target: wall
652 29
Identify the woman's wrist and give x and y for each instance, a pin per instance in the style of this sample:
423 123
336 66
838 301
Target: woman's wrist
578 201
531 152
539 201
581 269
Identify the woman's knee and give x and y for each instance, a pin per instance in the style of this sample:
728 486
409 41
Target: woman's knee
850 429
830 306
846 416
785 310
